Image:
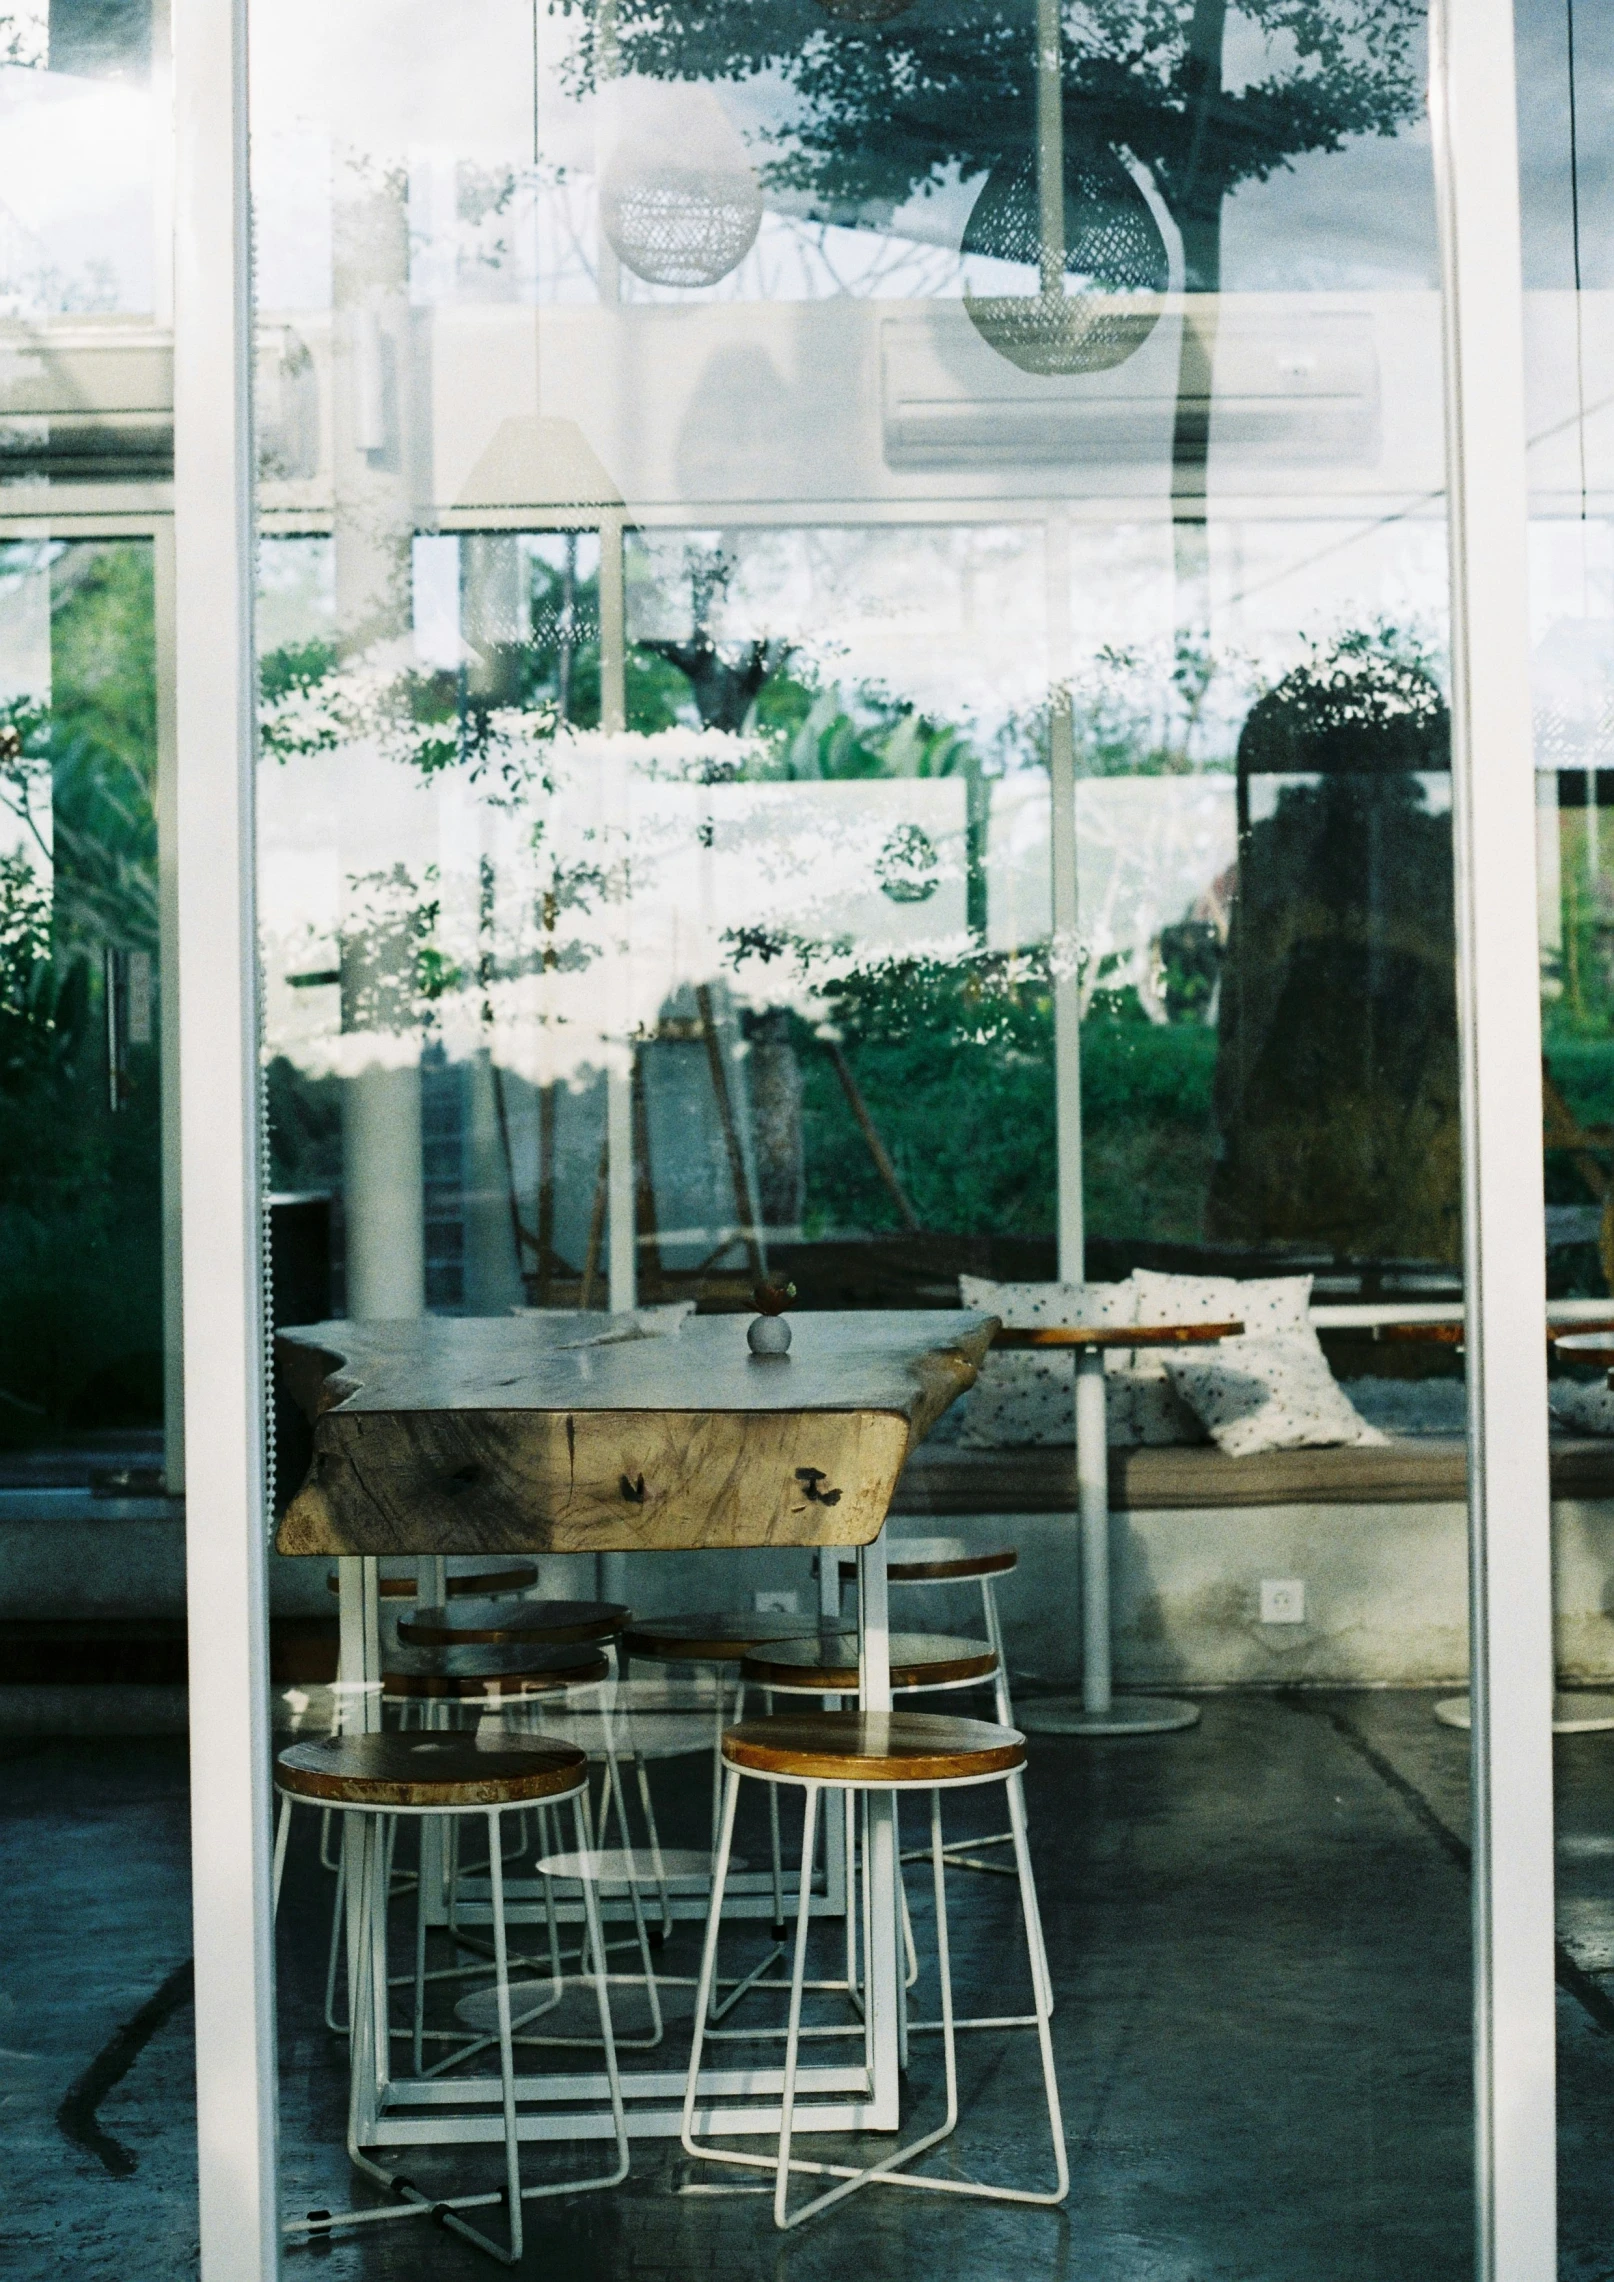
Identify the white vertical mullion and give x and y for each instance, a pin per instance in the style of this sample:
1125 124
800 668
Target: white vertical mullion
1065 917
225 1537
1510 1512
173 1260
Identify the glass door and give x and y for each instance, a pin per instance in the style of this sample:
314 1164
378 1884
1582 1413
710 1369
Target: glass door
854 638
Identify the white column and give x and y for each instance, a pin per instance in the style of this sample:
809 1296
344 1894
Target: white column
1493 791
168 1043
225 1537
623 1252
372 528
1062 843
492 1272
383 1187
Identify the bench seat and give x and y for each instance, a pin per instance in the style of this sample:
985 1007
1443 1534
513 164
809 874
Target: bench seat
947 1479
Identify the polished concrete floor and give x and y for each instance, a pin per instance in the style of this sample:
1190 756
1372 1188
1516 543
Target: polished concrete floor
1259 1933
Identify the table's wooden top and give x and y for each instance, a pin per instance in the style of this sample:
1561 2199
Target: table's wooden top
861 1359
462 1434
1592 1342
1120 1335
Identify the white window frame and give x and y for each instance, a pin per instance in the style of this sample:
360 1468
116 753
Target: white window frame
1472 89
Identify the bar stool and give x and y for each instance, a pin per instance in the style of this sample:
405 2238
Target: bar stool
441 1688
921 1663
483 1677
718 1642
511 1624
828 1664
900 1752
489 1578
372 1778
953 1561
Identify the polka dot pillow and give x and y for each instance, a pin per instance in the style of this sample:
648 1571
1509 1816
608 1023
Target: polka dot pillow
1267 1394
1028 1398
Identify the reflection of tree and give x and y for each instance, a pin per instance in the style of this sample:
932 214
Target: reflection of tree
893 109
1336 1075
724 687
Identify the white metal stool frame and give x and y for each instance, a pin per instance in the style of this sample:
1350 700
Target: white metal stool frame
1015 1782
861 2098
371 2037
933 1550
885 2171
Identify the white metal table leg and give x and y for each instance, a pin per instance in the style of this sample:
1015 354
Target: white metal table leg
882 1969
1098 1712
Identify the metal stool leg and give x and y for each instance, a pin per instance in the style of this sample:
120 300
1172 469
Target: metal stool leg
887 2171
368 1852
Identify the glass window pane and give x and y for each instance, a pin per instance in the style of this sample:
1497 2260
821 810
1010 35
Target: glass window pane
854 653
1566 67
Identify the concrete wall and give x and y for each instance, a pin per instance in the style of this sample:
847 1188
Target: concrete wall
1386 1586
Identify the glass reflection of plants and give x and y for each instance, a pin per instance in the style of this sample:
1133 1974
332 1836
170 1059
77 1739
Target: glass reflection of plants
946 1053
80 1203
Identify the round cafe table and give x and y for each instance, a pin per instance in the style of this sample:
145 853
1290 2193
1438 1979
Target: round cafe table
1098 1710
1579 1711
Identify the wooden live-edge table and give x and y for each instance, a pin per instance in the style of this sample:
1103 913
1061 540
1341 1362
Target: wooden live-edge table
1574 1712
581 1434
1099 1711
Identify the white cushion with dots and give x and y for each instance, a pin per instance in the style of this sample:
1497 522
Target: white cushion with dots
1027 1398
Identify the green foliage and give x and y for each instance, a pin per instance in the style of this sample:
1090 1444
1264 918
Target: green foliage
1583 1071
80 1187
305 1128
27 993
891 109
955 1063
296 669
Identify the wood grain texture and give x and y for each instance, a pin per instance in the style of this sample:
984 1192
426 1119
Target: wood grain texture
1588 1342
1120 1335
719 1637
873 1747
538 1434
938 1560
484 1577
513 1624
447 1771
488 1674
828 1665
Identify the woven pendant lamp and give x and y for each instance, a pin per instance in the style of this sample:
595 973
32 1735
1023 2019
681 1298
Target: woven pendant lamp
1114 256
679 201
1074 213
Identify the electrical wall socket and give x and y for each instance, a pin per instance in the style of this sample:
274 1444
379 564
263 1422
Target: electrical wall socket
1283 1600
778 1604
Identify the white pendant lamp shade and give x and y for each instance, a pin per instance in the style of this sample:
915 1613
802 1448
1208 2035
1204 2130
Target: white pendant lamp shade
1115 268
680 203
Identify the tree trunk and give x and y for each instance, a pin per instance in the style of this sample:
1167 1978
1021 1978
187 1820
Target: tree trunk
1199 218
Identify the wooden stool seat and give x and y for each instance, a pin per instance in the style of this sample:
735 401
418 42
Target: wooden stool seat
477 1577
509 1623
938 1561
827 1665
881 1749
631 1735
446 1772
491 1674
722 1638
